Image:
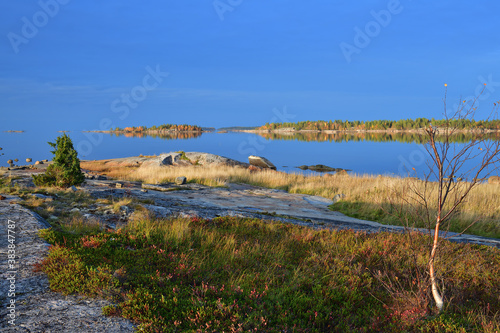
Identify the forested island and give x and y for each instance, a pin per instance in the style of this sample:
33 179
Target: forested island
164 131
381 125
160 128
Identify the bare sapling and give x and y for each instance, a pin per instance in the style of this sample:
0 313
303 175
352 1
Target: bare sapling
454 170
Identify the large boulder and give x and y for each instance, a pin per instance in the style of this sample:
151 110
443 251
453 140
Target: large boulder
166 160
261 162
205 159
494 180
180 180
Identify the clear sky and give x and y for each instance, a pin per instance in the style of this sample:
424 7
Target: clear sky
82 65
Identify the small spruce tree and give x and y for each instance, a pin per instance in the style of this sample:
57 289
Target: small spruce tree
65 171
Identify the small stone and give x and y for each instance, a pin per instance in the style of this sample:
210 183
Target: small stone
99 177
53 217
2 197
29 160
38 162
43 197
180 180
119 185
10 161
75 210
16 160
125 209
72 189
144 191
338 197
45 160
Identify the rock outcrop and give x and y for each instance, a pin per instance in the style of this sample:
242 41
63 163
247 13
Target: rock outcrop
321 168
180 180
261 162
191 158
166 160
210 159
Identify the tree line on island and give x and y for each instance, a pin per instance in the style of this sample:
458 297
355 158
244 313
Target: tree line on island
402 124
163 127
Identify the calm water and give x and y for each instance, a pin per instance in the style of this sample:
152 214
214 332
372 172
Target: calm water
361 155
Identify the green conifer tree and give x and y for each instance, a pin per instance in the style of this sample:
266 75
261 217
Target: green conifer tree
65 171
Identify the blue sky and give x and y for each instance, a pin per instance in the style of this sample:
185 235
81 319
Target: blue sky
70 65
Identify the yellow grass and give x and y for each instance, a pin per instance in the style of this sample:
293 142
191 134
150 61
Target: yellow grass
121 202
375 192
79 224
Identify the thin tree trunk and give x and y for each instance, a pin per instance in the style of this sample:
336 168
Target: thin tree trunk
435 293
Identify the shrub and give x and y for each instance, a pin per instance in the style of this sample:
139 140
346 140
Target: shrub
65 171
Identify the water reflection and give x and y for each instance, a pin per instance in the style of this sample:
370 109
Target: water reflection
159 135
403 137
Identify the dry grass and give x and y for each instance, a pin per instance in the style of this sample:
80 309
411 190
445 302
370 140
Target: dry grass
110 168
120 203
373 192
81 225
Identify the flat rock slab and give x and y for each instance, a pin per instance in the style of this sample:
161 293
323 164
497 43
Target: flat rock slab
160 188
256 202
37 308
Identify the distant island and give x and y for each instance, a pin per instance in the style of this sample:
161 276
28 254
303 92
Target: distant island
161 129
12 131
412 125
